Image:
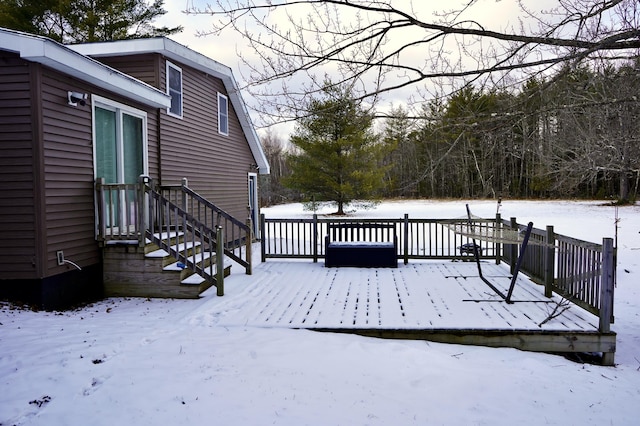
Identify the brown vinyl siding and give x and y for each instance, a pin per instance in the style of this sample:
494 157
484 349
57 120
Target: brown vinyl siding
46 170
145 68
68 170
17 190
215 165
68 167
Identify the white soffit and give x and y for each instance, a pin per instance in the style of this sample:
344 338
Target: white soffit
60 58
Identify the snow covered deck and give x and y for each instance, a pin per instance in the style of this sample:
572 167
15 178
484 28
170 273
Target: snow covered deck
439 301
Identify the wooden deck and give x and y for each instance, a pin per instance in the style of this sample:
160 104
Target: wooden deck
437 301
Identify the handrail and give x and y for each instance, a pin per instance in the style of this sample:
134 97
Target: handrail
238 234
139 213
171 217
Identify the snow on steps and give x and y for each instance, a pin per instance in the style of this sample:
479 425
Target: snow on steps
151 272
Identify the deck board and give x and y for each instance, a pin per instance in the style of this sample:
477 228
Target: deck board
417 296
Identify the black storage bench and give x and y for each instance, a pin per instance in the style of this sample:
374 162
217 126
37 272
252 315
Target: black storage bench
364 245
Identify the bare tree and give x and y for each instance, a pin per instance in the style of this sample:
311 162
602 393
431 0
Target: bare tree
596 139
382 47
272 190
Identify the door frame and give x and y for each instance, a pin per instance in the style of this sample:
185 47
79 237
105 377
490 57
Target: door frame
254 206
119 108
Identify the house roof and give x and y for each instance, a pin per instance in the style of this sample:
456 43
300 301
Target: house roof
61 58
182 54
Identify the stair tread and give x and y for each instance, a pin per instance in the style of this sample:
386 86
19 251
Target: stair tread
199 257
181 246
195 279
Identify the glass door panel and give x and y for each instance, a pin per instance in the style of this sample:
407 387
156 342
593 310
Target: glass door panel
106 145
120 147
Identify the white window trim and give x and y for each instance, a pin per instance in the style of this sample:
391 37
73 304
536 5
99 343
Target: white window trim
220 95
177 68
105 103
256 202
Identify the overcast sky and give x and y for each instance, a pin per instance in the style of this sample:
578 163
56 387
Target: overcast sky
498 15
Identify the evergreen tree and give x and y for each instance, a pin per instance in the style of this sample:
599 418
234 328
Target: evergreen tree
78 21
403 159
338 155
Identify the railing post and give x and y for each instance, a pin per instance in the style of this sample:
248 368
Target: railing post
263 244
315 238
248 244
141 226
513 248
549 261
606 286
498 245
102 220
219 261
185 184
405 237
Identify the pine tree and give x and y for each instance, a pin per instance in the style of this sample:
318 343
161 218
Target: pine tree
338 156
78 21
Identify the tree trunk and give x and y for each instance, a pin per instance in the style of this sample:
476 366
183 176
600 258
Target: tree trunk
624 187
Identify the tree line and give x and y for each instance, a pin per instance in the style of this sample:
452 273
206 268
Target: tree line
571 135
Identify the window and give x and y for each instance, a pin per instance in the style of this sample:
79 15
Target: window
174 89
223 114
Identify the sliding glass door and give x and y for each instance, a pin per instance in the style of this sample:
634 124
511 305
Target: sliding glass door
120 148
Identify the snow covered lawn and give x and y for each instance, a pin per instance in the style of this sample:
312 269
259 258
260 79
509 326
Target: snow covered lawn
151 362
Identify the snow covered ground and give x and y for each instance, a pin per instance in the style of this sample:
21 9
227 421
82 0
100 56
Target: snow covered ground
150 362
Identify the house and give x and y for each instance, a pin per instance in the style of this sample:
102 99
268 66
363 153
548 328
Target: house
108 112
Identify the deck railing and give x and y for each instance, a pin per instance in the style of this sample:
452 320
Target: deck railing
119 215
579 271
135 213
417 238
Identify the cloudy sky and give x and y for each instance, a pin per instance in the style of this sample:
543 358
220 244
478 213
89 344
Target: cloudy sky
497 15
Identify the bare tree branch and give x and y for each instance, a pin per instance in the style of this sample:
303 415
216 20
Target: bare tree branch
380 48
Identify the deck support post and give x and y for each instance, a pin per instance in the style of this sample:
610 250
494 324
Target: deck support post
549 261
102 216
263 240
219 261
606 294
405 238
497 248
606 287
315 238
248 242
140 211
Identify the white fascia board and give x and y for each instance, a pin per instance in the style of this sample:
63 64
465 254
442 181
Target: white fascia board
60 58
247 126
181 54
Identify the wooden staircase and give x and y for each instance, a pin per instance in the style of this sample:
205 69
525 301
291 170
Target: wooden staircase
149 271
166 241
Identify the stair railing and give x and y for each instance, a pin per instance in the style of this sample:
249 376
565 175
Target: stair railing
177 219
194 245
237 244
